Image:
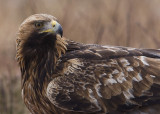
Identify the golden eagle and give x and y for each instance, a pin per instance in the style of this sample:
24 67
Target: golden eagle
63 76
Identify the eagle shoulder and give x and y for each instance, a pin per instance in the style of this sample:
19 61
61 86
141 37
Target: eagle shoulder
102 79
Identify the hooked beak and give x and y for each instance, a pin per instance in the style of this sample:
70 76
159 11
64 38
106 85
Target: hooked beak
54 27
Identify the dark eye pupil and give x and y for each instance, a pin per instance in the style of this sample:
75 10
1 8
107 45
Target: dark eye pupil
38 24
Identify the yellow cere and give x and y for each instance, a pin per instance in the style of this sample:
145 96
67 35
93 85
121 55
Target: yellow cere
53 23
50 30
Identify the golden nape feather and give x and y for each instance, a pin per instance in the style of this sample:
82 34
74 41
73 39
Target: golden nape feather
63 76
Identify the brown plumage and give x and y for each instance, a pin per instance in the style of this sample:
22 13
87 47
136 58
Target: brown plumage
62 76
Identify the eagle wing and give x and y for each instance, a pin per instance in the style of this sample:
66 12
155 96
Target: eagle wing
94 78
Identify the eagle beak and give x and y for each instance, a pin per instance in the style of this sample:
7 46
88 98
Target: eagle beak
58 28
54 28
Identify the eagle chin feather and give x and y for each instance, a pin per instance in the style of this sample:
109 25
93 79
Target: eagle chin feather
63 76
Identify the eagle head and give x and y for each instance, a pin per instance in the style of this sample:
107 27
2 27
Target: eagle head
40 37
40 30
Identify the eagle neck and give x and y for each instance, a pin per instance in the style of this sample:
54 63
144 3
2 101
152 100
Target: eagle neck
37 66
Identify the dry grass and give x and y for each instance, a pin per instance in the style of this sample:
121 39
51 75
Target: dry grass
132 23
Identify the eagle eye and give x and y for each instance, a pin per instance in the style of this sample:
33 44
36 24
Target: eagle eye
39 24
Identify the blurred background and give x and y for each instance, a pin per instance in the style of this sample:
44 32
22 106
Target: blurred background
133 23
